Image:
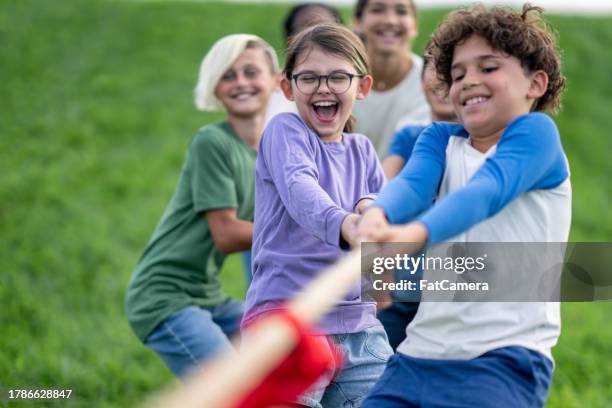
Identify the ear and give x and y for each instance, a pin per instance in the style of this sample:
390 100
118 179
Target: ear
365 84
285 85
538 86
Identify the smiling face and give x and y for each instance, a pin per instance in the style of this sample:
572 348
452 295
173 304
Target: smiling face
489 88
245 88
441 107
324 111
388 26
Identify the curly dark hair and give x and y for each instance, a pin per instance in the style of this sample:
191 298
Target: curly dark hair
524 35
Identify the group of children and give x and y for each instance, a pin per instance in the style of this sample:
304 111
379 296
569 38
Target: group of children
490 168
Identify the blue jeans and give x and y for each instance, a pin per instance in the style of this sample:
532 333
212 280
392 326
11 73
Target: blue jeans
365 356
195 334
509 377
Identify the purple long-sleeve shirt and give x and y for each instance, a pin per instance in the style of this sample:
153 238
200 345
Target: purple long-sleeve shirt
304 188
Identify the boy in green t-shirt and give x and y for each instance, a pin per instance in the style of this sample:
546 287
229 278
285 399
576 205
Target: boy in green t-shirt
175 303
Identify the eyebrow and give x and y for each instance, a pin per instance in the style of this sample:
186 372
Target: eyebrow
479 58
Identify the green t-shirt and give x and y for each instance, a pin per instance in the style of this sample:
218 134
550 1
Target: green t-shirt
180 266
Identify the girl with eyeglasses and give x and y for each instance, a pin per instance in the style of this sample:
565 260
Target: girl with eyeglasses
311 173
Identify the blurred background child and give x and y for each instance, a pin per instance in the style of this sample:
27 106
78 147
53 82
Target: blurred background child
388 28
396 312
175 303
304 15
404 139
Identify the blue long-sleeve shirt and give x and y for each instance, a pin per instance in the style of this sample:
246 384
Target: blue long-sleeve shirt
404 140
529 156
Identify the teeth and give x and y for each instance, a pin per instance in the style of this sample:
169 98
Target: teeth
325 103
243 95
475 100
389 33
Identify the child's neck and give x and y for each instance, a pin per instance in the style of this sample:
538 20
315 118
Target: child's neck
484 143
248 128
331 138
389 70
444 118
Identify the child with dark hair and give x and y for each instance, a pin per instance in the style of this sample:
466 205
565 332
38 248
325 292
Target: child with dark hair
306 14
405 138
388 28
398 310
499 176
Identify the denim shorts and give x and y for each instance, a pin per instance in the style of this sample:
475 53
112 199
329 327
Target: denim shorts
195 334
365 356
508 377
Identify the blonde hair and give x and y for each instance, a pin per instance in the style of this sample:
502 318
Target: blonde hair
219 59
333 39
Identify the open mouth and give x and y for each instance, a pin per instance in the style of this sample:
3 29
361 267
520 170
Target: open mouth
325 110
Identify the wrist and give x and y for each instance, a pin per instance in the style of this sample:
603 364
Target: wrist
373 209
364 202
348 231
416 232
422 231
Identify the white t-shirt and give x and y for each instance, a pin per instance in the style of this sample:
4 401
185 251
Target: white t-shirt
465 330
380 113
279 104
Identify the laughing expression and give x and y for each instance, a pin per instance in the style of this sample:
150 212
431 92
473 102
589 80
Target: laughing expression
388 25
244 89
489 88
324 111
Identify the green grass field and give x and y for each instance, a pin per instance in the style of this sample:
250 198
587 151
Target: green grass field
96 115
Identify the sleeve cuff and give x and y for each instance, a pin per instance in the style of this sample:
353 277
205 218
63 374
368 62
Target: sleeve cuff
202 206
332 226
369 196
433 236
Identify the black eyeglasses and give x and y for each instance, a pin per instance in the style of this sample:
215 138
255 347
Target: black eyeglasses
337 82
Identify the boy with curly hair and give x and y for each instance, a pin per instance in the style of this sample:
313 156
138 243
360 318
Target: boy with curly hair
499 176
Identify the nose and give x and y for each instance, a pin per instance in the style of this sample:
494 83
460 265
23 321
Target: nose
323 88
391 16
470 79
241 79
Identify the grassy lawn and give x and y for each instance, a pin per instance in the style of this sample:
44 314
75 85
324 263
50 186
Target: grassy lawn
96 115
